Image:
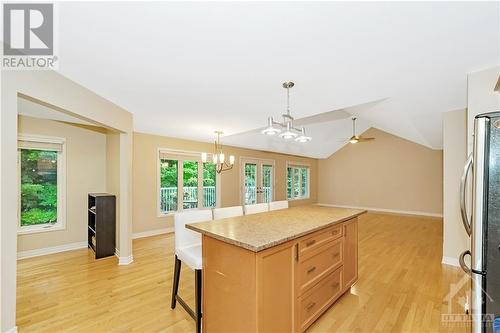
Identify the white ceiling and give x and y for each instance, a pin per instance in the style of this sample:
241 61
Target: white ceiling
185 69
31 109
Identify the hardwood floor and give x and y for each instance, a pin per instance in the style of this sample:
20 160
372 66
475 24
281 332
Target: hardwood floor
402 286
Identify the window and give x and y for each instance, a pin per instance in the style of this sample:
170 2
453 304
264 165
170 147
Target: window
297 182
185 182
41 184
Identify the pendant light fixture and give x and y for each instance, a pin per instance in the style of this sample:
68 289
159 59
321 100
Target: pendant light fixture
285 129
218 157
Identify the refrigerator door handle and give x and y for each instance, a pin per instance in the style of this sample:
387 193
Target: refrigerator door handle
461 260
463 190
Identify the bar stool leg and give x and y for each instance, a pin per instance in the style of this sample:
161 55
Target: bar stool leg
198 287
175 286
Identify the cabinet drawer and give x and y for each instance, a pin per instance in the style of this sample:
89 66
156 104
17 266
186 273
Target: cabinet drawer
319 238
313 303
314 268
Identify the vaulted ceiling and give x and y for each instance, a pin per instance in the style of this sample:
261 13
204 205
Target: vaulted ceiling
185 69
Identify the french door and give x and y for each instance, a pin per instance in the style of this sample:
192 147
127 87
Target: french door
257 181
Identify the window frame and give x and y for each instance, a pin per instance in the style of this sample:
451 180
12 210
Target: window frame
298 165
61 186
180 156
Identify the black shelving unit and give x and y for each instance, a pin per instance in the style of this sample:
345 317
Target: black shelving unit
102 224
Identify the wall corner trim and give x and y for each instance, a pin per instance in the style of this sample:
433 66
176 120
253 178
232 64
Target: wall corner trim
122 261
450 261
154 232
384 210
51 250
12 330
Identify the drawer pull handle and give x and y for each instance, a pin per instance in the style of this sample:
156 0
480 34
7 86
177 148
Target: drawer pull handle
335 255
311 242
335 285
310 270
334 232
311 305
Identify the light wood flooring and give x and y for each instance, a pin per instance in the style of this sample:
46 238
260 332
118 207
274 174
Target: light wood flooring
402 286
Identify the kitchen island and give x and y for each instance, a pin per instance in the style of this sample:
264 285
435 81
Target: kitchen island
276 271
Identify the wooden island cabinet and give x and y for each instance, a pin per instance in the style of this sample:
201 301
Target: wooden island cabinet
276 271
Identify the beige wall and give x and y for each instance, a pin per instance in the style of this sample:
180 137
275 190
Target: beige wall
58 92
481 97
85 172
387 173
455 239
145 163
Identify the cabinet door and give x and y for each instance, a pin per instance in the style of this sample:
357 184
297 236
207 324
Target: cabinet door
276 289
350 253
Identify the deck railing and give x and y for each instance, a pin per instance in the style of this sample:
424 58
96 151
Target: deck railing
250 194
168 197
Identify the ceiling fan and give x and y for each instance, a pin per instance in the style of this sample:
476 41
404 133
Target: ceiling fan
357 138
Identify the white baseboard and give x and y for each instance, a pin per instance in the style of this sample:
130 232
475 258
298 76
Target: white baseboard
150 233
12 330
450 261
125 260
51 250
383 210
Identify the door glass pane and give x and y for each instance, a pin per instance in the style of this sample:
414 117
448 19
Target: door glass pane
296 182
38 187
267 183
209 193
168 187
303 174
250 183
190 184
289 183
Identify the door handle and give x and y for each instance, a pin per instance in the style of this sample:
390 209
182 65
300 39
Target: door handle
310 305
463 182
461 260
311 242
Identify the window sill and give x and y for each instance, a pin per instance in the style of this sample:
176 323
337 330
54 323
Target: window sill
297 199
166 214
40 228
172 213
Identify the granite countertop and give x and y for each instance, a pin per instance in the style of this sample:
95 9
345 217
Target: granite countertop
260 231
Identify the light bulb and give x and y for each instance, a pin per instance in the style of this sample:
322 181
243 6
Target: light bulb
231 159
203 157
288 134
270 129
303 138
214 158
221 157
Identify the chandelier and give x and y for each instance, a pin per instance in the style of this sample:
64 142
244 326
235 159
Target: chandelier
218 157
285 128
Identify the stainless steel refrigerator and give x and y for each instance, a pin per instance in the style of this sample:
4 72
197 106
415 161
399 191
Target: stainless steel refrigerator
482 223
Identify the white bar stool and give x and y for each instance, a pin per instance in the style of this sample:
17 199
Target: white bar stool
275 205
222 213
188 251
256 208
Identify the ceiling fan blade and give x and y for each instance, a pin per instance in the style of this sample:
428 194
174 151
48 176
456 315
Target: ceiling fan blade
361 139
